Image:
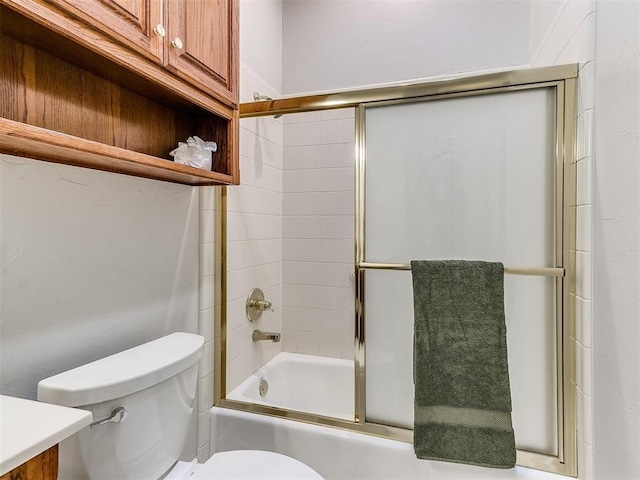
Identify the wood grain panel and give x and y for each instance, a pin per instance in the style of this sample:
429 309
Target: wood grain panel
35 23
99 109
42 91
135 123
129 22
17 81
208 29
211 130
34 142
224 159
58 103
233 145
134 8
161 120
41 467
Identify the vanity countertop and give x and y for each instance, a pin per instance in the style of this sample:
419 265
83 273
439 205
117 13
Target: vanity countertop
28 428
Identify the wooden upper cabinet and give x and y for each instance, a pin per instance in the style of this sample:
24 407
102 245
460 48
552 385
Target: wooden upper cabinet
137 24
115 84
196 40
202 44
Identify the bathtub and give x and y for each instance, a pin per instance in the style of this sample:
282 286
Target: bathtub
306 383
325 386
340 455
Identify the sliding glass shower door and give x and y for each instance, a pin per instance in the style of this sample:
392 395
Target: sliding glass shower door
476 168
474 178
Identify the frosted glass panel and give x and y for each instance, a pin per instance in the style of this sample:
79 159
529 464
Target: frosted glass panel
465 178
389 347
530 316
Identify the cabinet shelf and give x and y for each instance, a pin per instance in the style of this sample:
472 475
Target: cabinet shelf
69 94
28 141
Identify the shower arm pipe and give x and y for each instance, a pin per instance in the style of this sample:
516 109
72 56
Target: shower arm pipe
540 272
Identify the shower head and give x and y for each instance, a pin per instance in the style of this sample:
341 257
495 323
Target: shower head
261 98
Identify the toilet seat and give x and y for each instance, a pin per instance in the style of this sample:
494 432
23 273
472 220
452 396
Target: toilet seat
254 464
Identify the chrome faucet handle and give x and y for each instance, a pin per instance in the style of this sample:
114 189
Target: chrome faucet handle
256 304
263 305
118 415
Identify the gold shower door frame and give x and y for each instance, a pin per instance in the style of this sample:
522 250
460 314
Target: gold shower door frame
563 80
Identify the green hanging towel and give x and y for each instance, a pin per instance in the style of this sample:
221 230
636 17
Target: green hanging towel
461 376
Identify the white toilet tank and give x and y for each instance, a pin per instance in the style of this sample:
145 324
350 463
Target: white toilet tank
155 383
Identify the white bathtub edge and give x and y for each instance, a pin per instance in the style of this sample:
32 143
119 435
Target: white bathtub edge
339 454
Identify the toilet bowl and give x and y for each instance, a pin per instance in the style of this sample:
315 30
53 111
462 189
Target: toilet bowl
244 465
142 401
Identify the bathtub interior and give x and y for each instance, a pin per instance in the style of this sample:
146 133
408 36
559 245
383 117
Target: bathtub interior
302 383
304 256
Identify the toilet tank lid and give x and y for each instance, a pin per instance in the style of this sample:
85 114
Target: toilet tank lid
123 373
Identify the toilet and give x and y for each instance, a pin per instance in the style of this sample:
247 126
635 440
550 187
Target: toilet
142 401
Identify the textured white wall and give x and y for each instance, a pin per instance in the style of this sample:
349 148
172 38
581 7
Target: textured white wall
91 263
616 241
261 40
334 44
543 16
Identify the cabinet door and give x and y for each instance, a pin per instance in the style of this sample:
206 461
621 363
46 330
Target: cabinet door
130 22
202 44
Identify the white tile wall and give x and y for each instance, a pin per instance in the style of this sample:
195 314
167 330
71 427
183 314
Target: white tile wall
254 235
207 303
570 38
317 228
584 259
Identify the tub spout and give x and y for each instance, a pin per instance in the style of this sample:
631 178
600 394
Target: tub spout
260 335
